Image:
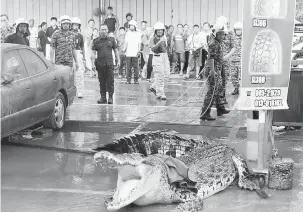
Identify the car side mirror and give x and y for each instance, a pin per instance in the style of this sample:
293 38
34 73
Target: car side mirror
7 79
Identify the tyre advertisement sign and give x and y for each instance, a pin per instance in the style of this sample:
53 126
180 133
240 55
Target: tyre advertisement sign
268 27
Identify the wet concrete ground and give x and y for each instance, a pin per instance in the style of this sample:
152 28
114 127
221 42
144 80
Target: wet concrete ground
51 180
136 103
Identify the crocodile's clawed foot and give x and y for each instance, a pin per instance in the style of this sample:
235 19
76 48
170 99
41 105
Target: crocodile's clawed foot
248 184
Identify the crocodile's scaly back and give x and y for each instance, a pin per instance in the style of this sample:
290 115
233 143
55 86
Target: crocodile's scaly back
211 167
154 142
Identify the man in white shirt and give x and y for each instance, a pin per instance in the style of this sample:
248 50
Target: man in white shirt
34 34
87 34
132 48
196 44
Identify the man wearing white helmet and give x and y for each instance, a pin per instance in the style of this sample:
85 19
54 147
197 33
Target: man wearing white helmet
158 45
236 58
132 48
21 33
79 45
63 45
213 73
228 50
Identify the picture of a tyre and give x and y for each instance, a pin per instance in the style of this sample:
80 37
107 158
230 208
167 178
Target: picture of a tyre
299 11
269 8
266 54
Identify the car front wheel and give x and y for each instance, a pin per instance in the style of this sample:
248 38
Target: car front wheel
57 119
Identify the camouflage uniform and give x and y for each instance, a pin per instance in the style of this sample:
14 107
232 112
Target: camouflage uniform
235 69
228 44
214 92
6 32
64 44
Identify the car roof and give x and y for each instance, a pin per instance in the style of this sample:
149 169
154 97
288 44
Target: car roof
11 46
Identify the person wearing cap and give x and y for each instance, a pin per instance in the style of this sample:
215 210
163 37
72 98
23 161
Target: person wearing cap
228 50
63 45
129 17
214 68
111 21
236 58
132 48
20 37
158 45
79 46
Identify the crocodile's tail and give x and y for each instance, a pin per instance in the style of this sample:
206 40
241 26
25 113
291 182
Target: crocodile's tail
152 142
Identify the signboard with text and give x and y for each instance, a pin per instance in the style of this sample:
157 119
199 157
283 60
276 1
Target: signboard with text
268 29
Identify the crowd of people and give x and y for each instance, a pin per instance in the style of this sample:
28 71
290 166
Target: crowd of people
213 51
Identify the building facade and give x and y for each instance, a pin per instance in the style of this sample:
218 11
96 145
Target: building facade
167 11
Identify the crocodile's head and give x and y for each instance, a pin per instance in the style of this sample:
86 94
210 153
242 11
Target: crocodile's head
141 180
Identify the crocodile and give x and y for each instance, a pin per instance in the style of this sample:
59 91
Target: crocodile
162 167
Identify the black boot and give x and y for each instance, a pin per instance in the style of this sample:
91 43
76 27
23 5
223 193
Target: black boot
110 99
206 116
221 110
235 92
102 100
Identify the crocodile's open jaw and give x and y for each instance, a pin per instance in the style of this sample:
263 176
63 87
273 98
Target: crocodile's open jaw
131 183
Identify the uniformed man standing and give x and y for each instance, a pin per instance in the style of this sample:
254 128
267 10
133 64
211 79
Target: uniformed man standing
228 50
214 70
104 45
63 45
236 58
79 45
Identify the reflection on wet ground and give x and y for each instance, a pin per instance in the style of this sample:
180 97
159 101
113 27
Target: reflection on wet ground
48 180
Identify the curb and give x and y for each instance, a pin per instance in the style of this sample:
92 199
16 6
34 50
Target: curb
91 122
36 146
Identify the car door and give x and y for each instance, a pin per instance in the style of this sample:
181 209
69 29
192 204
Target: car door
17 97
45 81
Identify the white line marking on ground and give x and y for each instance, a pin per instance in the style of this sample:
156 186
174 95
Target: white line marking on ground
59 190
